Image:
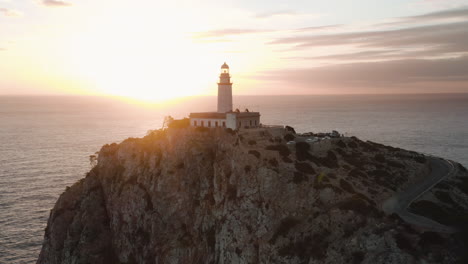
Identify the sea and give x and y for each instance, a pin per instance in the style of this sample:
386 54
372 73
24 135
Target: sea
46 141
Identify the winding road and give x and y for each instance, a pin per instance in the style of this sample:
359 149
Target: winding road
399 203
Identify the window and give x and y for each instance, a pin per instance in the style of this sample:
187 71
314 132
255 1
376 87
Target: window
195 123
216 124
250 122
255 122
209 123
240 125
224 124
202 123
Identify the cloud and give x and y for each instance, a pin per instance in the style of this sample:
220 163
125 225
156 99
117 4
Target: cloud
276 13
433 40
450 14
362 55
320 28
10 12
382 55
219 33
433 34
55 3
400 75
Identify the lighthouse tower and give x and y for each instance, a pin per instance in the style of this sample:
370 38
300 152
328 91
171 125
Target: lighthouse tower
224 90
224 117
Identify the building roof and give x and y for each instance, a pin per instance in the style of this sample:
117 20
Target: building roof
211 115
216 115
224 66
247 114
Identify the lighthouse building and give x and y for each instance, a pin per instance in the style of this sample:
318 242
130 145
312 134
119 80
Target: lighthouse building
225 116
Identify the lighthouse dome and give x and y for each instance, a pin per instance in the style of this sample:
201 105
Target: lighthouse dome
224 66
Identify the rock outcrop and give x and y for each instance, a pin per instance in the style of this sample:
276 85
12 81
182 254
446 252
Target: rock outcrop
219 196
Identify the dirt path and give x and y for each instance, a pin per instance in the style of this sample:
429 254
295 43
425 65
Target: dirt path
399 203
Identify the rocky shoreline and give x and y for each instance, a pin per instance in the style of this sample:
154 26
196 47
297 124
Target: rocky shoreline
265 195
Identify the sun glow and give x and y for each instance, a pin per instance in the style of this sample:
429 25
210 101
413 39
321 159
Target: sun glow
144 58
150 51
127 60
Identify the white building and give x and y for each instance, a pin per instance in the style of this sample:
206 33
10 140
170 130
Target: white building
225 117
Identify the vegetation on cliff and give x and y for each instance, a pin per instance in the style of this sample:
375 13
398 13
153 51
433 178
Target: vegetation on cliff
191 195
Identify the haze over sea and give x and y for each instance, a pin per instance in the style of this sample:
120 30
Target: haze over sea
45 142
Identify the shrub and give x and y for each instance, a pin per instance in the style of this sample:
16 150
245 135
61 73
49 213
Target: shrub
352 144
444 197
354 160
381 173
202 129
355 173
379 158
341 144
461 167
289 137
463 185
230 131
331 156
372 191
247 168
255 153
320 177
420 159
395 164
403 242
290 129
346 186
299 177
330 161
304 167
302 151
179 123
368 147
358 257
231 192
305 248
273 162
429 239
284 227
359 206
252 142
282 149
340 151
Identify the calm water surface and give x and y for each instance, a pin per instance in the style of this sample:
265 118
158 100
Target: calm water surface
45 141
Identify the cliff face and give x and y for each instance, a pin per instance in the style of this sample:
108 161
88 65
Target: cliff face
214 196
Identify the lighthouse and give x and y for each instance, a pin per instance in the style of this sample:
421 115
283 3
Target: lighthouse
225 117
224 90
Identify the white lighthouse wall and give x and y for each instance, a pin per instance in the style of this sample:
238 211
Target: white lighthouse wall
224 98
206 121
231 120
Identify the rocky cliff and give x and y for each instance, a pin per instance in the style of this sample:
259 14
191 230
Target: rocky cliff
219 196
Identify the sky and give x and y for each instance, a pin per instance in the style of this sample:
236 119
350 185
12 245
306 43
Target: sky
158 50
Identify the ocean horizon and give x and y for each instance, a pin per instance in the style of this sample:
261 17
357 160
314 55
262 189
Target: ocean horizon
46 140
